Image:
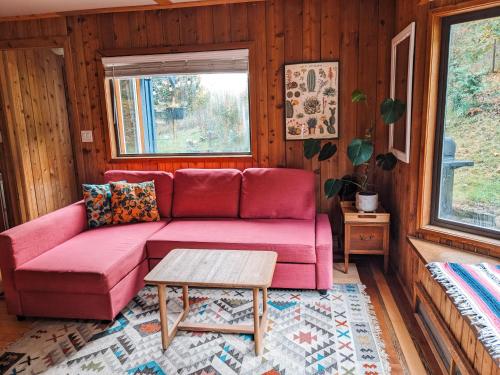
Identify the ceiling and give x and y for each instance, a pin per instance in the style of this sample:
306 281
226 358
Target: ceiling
22 8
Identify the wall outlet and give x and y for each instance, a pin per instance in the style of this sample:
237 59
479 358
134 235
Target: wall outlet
87 136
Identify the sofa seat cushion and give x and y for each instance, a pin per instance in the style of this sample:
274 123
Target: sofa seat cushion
92 262
293 240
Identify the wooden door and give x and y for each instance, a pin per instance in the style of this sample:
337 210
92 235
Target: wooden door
39 164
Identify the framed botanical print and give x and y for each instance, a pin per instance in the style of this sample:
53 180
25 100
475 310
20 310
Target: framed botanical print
311 100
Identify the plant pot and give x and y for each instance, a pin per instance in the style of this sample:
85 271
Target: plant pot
366 201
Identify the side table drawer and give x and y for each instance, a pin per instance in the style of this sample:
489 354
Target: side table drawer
367 237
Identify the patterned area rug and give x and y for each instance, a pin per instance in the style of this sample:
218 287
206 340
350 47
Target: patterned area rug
307 334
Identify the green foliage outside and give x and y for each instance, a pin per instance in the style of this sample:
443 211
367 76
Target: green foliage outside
209 120
472 116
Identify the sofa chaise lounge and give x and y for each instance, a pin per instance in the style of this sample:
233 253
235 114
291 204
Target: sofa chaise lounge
54 266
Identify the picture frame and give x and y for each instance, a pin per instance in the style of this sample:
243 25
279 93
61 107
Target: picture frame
311 100
402 60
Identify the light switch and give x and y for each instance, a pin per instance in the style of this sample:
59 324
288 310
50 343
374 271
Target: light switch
87 136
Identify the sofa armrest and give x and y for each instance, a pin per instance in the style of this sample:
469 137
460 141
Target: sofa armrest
29 240
324 252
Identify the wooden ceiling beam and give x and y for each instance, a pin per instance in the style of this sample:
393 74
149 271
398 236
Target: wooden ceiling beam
161 4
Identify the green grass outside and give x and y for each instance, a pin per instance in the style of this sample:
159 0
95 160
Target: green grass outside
477 137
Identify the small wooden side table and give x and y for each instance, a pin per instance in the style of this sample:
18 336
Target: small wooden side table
365 232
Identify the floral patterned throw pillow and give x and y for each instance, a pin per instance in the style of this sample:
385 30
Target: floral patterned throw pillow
97 200
132 203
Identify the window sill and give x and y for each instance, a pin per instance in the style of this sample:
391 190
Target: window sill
490 244
178 158
430 252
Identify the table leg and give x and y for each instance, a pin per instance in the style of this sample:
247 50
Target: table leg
256 323
347 246
386 249
263 320
162 301
185 301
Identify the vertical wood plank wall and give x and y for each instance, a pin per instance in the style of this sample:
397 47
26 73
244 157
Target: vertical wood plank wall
355 32
37 131
399 189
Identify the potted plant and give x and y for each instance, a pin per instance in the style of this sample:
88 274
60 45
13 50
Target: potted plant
360 153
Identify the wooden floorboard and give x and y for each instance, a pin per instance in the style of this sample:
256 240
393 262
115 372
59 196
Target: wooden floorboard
381 288
408 351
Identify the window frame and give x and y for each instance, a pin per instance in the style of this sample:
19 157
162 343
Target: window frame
109 110
428 56
446 23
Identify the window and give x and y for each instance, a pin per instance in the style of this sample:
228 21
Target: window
180 104
466 192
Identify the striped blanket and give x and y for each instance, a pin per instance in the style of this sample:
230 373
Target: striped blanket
475 290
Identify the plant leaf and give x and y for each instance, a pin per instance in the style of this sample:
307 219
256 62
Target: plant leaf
349 188
328 150
359 151
392 110
358 96
386 161
333 187
311 147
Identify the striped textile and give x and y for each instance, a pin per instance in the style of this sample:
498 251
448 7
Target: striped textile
475 290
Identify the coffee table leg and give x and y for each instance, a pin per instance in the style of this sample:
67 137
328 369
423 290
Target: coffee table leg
256 323
263 321
162 301
185 301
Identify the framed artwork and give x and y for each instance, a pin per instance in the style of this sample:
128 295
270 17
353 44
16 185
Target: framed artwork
311 100
402 53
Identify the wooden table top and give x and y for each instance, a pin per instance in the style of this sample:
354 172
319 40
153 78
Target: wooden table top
215 268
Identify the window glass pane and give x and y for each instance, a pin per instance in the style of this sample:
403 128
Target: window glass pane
188 114
129 119
470 169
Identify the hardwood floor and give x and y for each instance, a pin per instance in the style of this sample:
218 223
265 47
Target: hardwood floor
404 342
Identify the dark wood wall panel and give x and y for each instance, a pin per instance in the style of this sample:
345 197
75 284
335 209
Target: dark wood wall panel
355 32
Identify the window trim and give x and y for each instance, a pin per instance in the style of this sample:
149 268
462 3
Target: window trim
446 23
114 155
431 57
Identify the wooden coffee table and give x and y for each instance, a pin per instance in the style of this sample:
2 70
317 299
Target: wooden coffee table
233 269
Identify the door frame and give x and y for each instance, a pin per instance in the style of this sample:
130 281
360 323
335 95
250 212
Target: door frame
17 213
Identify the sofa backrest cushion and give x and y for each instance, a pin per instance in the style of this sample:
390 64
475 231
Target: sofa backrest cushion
206 193
163 185
277 193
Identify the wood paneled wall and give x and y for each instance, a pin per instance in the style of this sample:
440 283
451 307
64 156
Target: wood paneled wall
399 189
40 156
355 32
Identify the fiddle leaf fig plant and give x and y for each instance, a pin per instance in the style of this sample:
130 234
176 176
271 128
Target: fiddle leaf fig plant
359 151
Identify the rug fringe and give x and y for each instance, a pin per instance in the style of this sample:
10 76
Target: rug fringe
377 331
485 332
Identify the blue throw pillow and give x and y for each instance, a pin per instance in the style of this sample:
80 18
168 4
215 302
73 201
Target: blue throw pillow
97 200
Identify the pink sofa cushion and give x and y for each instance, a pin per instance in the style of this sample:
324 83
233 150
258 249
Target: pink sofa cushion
277 193
206 193
93 262
293 240
163 185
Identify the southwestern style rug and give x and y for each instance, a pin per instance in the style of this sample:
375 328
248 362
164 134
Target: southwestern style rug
307 334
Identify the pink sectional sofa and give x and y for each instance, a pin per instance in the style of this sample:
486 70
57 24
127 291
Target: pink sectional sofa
55 267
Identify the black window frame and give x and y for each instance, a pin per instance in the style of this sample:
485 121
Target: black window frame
446 24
